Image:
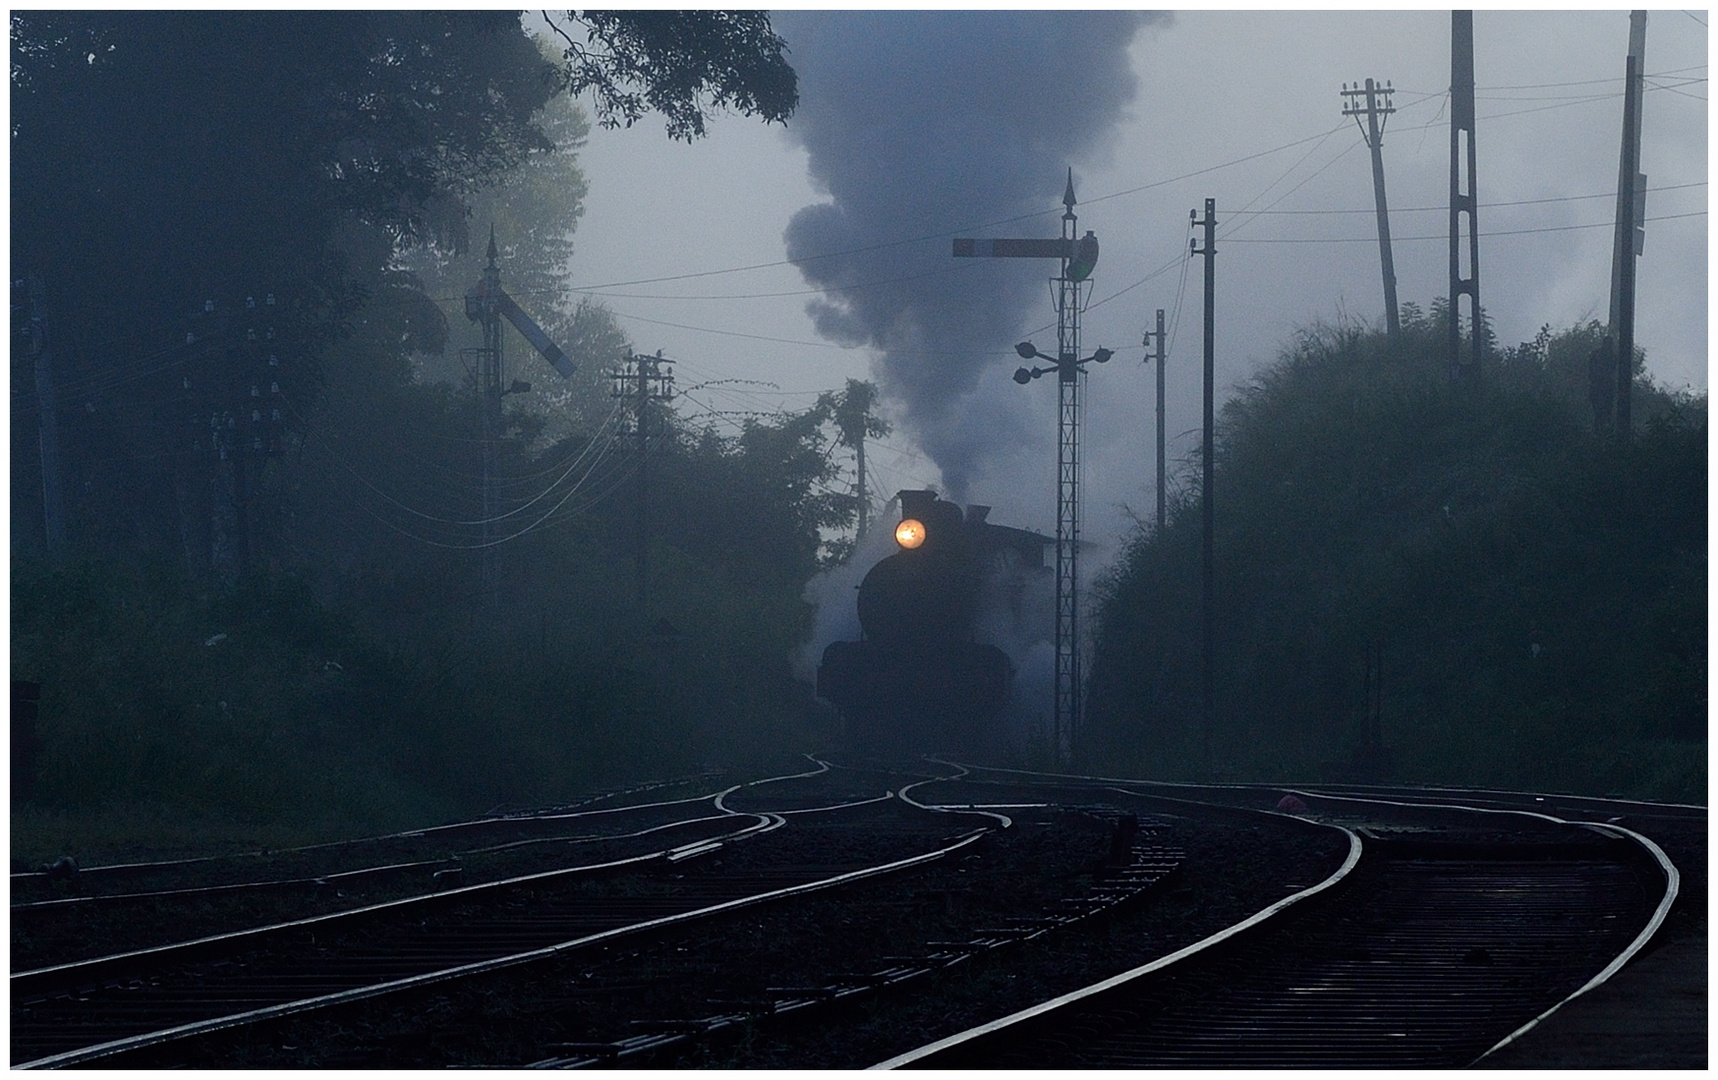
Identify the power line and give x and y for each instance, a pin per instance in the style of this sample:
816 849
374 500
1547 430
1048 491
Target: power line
1489 205
1496 232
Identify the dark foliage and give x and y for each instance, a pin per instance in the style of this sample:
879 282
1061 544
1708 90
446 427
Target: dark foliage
362 659
162 160
1536 593
680 63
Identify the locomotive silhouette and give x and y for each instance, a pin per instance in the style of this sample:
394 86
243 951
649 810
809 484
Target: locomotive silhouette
921 679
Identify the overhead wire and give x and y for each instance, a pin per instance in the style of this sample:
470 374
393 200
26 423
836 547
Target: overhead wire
1483 233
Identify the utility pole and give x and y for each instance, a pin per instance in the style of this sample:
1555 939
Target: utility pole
1373 132
48 424
864 492
224 526
1630 238
1207 576
249 451
643 380
849 410
1157 336
1463 202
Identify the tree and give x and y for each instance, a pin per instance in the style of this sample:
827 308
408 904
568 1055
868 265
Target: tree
164 159
850 410
534 210
679 63
1534 595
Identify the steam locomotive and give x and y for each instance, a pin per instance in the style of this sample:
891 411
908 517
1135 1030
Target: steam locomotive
921 679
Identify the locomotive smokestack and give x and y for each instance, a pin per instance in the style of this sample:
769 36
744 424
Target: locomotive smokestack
917 504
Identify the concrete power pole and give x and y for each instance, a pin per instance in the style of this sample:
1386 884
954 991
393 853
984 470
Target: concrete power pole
1630 237
53 505
1463 202
1150 337
1373 132
1207 576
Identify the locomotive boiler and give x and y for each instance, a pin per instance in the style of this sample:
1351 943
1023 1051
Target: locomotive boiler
921 678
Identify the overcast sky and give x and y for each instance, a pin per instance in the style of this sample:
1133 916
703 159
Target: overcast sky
1211 89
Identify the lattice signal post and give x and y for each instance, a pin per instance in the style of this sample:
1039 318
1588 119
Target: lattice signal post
1078 257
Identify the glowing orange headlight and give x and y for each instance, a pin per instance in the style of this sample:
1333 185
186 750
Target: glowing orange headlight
910 534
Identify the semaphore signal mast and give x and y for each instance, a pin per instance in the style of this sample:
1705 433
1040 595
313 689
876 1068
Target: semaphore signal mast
1078 257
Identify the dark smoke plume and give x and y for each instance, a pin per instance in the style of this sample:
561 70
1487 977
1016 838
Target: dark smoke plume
919 123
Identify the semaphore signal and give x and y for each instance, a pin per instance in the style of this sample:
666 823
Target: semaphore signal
1078 257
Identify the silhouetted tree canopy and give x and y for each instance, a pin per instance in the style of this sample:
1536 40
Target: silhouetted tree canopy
165 163
680 64
1533 591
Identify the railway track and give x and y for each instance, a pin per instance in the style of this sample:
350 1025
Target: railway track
125 1004
1448 932
127 908
824 917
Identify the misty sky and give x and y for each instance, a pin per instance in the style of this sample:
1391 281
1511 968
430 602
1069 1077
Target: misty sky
913 131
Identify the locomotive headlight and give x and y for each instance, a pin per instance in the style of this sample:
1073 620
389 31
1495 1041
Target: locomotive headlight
910 534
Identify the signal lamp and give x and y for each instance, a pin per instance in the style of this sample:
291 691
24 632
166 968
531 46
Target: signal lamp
910 533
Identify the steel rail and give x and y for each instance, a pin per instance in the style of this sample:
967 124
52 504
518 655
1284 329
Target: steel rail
1672 886
924 1056
1673 881
1542 796
1363 789
22 982
237 886
135 1042
1152 864
1353 859
343 875
885 797
1007 822
409 834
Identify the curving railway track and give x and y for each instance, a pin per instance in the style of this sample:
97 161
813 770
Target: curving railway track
1447 932
944 916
